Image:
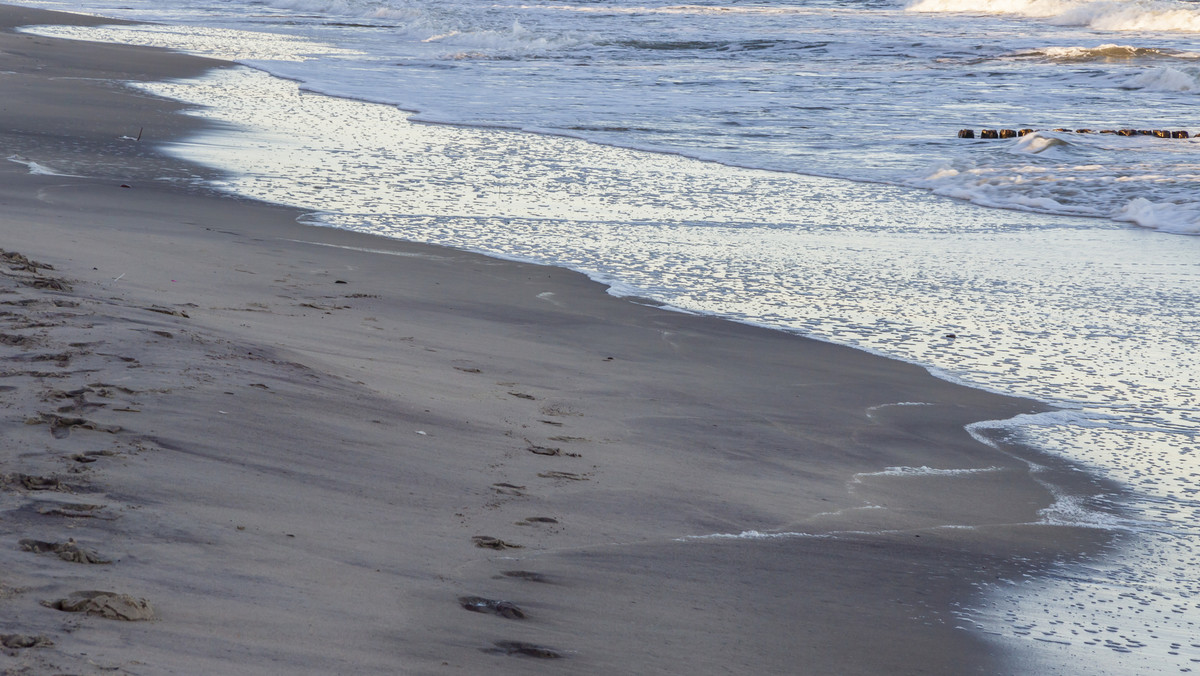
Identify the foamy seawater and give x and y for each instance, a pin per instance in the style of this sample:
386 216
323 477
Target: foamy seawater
871 90
1072 293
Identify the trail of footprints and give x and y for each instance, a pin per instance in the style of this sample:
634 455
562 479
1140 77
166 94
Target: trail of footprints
35 315
34 307
551 416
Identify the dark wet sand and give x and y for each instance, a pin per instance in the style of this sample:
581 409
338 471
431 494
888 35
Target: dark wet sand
303 448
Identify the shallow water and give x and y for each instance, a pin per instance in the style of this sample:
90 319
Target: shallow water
1094 314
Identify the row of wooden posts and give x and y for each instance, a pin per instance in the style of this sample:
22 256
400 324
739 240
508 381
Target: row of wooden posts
1013 133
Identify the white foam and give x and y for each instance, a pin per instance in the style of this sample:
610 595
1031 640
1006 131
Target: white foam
924 471
750 535
37 168
1143 15
1022 7
1182 219
1133 16
1064 510
872 409
1075 418
218 43
1029 188
676 9
1035 143
1094 175
1067 510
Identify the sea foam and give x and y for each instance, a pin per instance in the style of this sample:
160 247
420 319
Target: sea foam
1182 219
1139 15
37 168
219 43
924 471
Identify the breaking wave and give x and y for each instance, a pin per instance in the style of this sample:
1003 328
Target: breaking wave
1140 15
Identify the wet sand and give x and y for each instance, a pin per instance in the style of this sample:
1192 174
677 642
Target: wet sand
278 448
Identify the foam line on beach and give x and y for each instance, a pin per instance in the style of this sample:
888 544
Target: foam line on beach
752 535
385 252
924 472
1066 509
37 168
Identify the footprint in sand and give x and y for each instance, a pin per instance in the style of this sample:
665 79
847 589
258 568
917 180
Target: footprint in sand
109 605
523 649
549 450
559 411
45 283
509 489
478 604
24 302
61 427
75 511
542 450
489 542
13 339
60 359
35 483
70 394
570 476
106 390
18 261
528 575
18 641
167 311
92 456
67 551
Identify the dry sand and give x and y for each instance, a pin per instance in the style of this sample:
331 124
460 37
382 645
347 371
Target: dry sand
291 449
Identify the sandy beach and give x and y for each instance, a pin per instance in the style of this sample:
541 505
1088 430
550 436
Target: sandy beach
262 447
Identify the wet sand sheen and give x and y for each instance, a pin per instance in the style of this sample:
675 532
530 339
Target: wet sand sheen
303 449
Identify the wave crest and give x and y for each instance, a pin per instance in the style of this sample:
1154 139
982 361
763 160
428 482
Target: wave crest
1180 219
1163 79
1032 144
1105 52
1140 15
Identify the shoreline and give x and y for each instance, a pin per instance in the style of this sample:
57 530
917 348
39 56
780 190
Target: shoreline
312 435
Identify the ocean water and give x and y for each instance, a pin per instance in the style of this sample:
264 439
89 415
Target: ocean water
796 165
